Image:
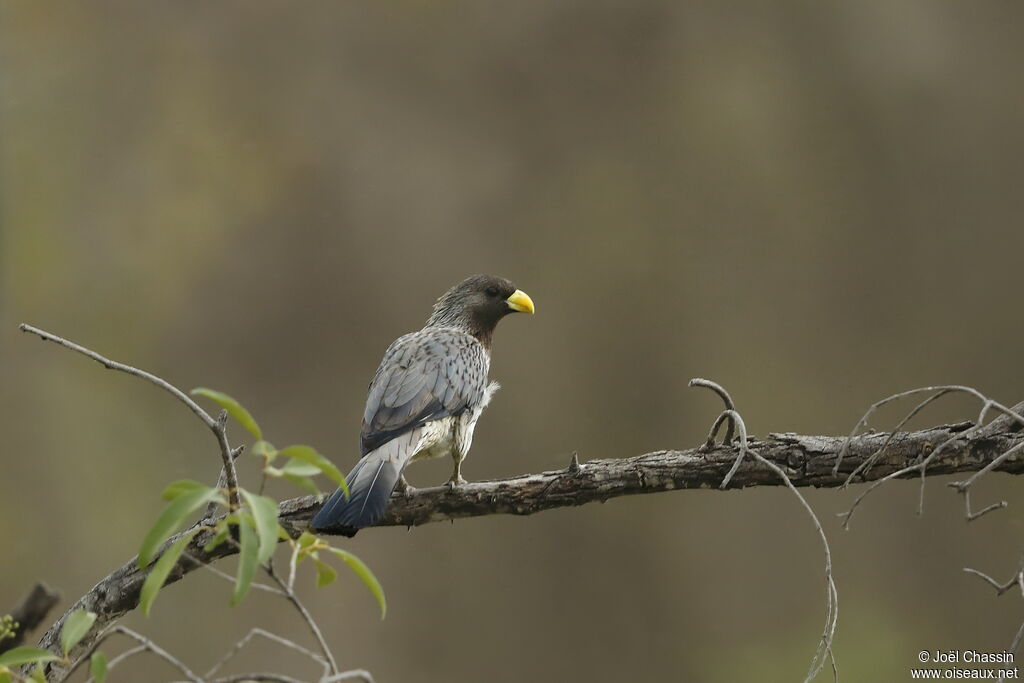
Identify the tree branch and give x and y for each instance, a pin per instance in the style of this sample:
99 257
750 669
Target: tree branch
29 613
806 460
229 477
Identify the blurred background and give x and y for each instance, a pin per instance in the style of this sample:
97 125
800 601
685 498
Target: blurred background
814 204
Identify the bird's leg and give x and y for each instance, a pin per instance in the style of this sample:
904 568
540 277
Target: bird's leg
403 486
457 479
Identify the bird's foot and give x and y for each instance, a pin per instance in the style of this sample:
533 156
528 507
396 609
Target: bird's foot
456 481
404 487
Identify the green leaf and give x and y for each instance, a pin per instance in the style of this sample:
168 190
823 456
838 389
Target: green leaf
176 512
367 577
306 539
325 573
233 407
5 676
75 627
158 575
264 449
302 469
248 558
298 473
264 512
309 455
38 675
26 655
98 667
304 483
182 486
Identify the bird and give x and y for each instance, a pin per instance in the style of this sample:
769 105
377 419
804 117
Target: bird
424 400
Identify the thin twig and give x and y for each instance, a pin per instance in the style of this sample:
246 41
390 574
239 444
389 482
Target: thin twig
996 462
1014 646
114 661
736 420
920 467
349 676
217 427
873 458
257 677
941 390
306 616
717 425
144 642
832 595
227 577
729 405
823 652
1001 588
273 637
293 561
114 365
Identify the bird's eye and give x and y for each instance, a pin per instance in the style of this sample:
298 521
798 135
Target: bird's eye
492 291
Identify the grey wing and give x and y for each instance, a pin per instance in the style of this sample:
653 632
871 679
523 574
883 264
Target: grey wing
424 376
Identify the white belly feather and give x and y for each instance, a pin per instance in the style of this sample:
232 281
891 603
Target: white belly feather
450 436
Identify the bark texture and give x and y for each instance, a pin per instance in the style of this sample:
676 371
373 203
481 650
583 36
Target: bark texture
807 460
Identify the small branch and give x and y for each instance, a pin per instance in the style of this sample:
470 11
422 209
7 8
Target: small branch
216 426
1014 646
29 613
868 462
257 678
354 674
273 637
143 642
832 595
127 654
230 579
306 616
1017 580
824 651
1013 421
730 407
114 365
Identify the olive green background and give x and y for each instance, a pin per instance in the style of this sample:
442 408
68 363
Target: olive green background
815 204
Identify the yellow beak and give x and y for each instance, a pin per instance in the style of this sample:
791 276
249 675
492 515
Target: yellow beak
520 301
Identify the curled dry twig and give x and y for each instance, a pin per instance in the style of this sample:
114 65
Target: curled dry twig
823 652
730 407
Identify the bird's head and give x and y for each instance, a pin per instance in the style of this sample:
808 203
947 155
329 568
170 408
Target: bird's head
477 304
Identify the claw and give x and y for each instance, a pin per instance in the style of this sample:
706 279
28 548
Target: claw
404 487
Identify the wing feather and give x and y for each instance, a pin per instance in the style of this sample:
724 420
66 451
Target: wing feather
424 376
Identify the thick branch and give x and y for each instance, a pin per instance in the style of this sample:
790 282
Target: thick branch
29 613
807 460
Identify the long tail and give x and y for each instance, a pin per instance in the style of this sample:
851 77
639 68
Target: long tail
370 484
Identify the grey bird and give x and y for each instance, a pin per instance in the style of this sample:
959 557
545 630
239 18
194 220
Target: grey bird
424 399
